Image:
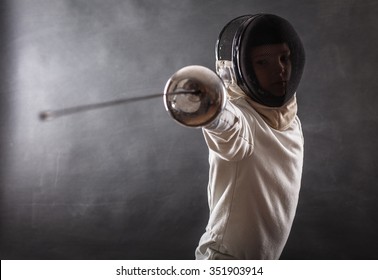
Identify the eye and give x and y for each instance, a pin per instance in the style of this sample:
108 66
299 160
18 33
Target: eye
285 58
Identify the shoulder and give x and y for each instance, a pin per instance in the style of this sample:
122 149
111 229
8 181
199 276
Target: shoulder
297 121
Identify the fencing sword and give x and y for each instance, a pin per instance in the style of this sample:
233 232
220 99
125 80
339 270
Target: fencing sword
194 96
49 115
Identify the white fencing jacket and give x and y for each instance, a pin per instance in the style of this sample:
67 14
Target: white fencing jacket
254 180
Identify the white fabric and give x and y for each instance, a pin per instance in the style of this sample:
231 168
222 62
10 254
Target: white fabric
254 182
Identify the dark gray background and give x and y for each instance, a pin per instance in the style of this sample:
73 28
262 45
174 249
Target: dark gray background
128 182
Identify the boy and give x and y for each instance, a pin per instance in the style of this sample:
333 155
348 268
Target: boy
256 143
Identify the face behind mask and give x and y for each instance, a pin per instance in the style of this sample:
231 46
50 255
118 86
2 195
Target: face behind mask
263 55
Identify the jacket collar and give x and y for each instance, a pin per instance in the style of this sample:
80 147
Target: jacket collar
279 118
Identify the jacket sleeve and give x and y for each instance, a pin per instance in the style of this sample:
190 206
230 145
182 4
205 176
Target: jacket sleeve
230 136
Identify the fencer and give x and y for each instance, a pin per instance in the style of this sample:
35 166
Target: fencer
256 144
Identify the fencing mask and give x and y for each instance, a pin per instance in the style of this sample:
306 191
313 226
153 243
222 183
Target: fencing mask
263 55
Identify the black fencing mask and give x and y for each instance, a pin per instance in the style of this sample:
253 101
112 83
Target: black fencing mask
263 55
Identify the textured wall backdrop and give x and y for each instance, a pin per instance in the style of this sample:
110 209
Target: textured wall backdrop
127 182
